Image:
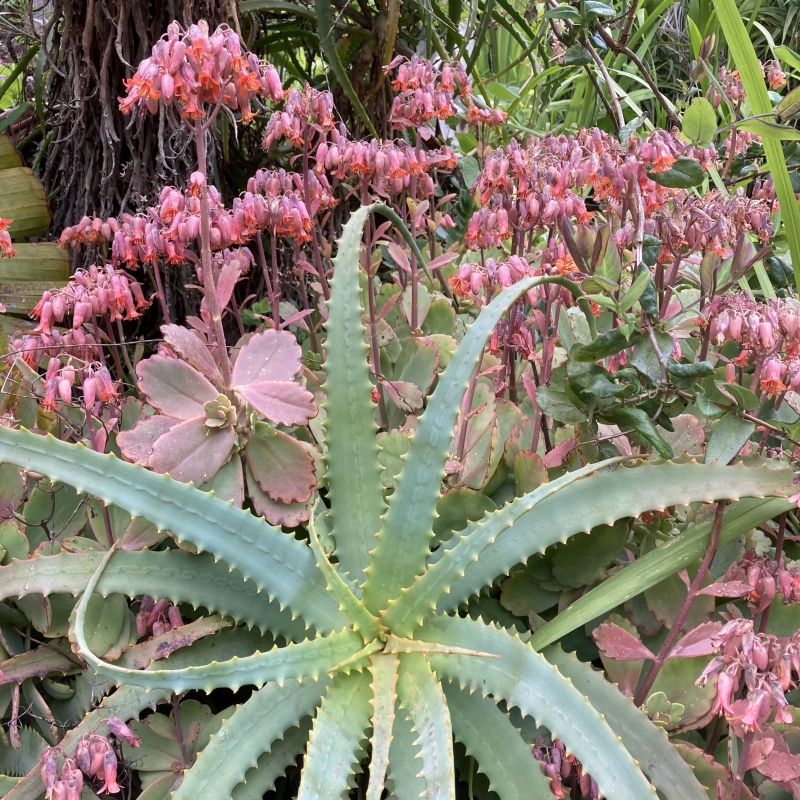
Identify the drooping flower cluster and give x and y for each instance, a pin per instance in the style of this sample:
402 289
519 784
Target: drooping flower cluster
304 112
769 335
197 71
761 663
95 380
732 85
565 772
157 616
94 758
425 91
6 248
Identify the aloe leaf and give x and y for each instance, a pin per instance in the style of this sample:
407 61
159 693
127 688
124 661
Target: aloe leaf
275 561
657 565
603 499
491 739
384 697
523 678
272 764
420 694
405 613
648 744
181 577
402 544
364 622
354 473
404 760
252 729
744 56
338 730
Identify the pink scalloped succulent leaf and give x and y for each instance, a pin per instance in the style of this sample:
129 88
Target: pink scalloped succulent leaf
174 387
137 444
281 466
192 452
267 356
617 643
288 514
191 348
283 402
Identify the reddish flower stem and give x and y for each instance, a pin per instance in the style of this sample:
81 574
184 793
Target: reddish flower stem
744 753
694 588
762 624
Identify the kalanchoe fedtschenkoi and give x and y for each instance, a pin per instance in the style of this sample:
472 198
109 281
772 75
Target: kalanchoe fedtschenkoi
564 771
6 248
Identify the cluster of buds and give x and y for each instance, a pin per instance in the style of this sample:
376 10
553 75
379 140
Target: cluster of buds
275 182
760 578
96 383
385 167
309 109
516 332
567 778
768 332
493 117
94 759
762 663
480 281
157 616
425 91
198 71
732 85
6 249
97 291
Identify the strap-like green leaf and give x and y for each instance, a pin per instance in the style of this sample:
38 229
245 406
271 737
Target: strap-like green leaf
252 729
273 560
657 565
404 760
271 765
384 696
744 56
181 577
338 730
420 693
491 739
354 473
649 745
407 611
308 659
402 544
524 679
605 498
364 622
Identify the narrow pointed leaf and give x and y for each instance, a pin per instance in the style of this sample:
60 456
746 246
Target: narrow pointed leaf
354 473
648 744
338 730
491 739
402 544
420 693
404 760
523 678
384 697
602 499
252 729
657 565
274 560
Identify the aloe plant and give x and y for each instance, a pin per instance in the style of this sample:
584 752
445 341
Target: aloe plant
375 647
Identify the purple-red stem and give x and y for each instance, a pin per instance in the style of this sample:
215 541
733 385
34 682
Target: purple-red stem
762 625
694 588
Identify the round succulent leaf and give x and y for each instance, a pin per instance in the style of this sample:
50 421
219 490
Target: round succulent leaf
160 788
12 489
290 515
582 560
118 518
625 674
267 356
404 394
13 541
228 483
440 319
55 505
447 347
393 446
530 472
282 467
137 443
455 509
190 347
677 681
283 402
141 533
784 620
105 617
191 452
174 387
666 598
522 594
687 437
